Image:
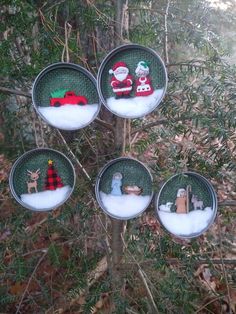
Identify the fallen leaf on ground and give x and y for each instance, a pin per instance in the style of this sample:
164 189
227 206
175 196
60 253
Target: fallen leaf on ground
17 288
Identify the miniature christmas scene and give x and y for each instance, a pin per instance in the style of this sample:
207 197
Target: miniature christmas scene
42 179
124 188
65 96
132 81
187 205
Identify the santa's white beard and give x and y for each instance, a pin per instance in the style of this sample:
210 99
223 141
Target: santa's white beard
121 77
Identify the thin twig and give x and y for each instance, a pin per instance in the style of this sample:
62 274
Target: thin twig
150 125
208 303
74 157
29 281
223 265
153 304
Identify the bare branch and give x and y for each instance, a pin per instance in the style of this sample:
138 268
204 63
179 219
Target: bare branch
14 92
105 124
227 203
74 157
153 304
150 125
166 55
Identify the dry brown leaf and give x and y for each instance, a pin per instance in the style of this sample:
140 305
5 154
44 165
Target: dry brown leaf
18 288
55 236
104 304
232 293
204 275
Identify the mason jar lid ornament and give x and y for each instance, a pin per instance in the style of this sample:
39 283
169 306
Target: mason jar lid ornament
65 96
124 188
42 179
132 81
186 205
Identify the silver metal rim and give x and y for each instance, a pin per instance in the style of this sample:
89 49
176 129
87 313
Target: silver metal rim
214 204
97 183
16 163
63 65
108 57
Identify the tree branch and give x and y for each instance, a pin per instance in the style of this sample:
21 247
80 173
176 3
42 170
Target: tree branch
166 55
14 92
105 124
227 203
150 125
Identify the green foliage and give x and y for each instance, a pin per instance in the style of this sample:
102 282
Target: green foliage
60 93
54 254
20 269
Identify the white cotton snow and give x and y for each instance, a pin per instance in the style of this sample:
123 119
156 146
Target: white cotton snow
135 107
185 224
69 117
125 206
46 200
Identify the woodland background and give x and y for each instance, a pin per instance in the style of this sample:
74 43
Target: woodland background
75 259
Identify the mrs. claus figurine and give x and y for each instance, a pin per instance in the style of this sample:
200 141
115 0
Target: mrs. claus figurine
121 81
143 83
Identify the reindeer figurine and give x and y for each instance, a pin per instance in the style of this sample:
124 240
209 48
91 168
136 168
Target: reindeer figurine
34 177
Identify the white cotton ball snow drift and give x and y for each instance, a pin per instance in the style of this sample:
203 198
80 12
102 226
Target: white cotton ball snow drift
46 200
69 117
185 224
125 206
135 107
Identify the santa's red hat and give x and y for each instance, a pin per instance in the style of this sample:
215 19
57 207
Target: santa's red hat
117 65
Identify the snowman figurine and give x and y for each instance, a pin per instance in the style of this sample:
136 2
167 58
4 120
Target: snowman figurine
116 184
143 83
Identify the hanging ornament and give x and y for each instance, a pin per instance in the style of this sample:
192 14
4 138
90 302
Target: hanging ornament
43 189
65 96
131 92
187 205
124 188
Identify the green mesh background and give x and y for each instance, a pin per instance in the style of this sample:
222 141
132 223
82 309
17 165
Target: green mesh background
64 78
39 159
133 174
199 188
132 56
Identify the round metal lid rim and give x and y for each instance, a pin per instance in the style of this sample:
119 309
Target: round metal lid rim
97 192
108 57
16 163
214 204
64 65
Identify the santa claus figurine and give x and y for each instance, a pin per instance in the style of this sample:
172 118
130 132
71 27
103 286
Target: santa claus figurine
121 81
143 83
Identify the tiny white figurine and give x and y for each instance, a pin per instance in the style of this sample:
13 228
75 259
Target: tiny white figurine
166 207
196 203
116 184
34 177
